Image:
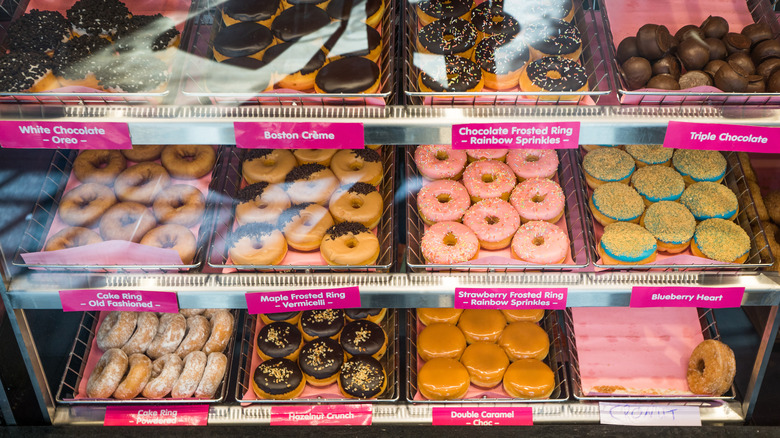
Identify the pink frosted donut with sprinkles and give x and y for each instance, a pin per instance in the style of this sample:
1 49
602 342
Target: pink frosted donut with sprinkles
447 243
486 154
533 163
538 199
540 243
443 200
436 161
494 221
488 179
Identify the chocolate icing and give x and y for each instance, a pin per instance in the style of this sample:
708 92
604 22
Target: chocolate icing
242 39
368 155
133 73
715 27
303 172
757 32
251 10
731 78
669 65
572 75
636 71
38 31
654 41
146 32
20 71
291 214
98 16
554 37
361 313
489 18
345 228
305 2
756 84
362 377
281 316
694 54
358 38
743 60
273 52
688 31
462 75
717 48
736 42
627 49
251 192
322 323
352 74
362 337
298 21
342 9
445 8
764 50
279 339
694 78
253 154
321 358
80 56
768 67
663 82
498 55
448 36
278 376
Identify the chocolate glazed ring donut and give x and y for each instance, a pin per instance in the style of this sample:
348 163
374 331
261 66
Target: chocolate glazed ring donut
448 36
555 38
438 9
501 60
462 75
298 21
555 74
490 19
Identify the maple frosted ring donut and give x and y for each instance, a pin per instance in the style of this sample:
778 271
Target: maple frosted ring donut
221 330
180 204
448 36
533 163
140 369
116 329
170 332
489 179
72 237
449 243
141 183
126 221
188 161
711 368
165 371
107 374
198 330
191 375
145 331
443 200
436 161
494 221
538 199
99 166
216 365
349 244
84 205
175 237
541 243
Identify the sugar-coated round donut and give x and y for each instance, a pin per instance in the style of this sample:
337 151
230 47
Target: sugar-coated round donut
443 200
533 163
99 166
486 363
145 331
487 154
449 243
711 368
524 340
484 325
126 221
438 161
541 243
489 179
188 161
191 375
116 329
699 165
141 182
363 337
707 200
71 237
84 205
627 243
175 237
349 244
722 240
443 379
170 332
269 165
221 331
604 165
530 315
358 202
278 379
440 340
165 371
257 244
191 312
433 315
143 152
138 373
279 339
357 165
261 202
180 204
314 156
529 378
616 202
362 377
672 225
494 221
538 199
305 225
216 366
198 330
320 361
310 183
107 374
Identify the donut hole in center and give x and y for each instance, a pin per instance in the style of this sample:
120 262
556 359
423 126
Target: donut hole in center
488 178
188 157
101 163
498 19
538 241
167 242
83 202
357 165
450 239
269 162
443 198
448 37
257 244
127 220
357 203
351 243
492 220
442 155
552 74
538 198
700 366
262 205
531 159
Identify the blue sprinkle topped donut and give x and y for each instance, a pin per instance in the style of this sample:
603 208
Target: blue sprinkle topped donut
707 200
627 244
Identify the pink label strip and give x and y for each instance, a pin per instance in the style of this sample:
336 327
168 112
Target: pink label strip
553 298
443 416
64 135
322 415
170 415
717 137
299 135
684 296
549 135
80 300
309 299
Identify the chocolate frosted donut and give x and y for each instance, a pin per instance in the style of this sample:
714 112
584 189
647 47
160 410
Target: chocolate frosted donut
279 339
362 377
448 36
551 9
490 19
342 9
97 17
461 75
321 323
239 75
498 57
38 32
554 37
438 9
26 72
291 317
298 21
242 39
363 41
353 74
278 379
321 360
569 76
284 61
369 314
249 10
363 337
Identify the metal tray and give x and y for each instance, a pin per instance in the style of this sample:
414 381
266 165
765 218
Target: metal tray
708 328
593 58
223 222
77 361
573 213
207 22
761 11
747 217
48 202
555 360
390 361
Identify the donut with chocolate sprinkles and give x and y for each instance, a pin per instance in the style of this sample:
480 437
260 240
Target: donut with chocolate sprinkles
362 377
257 244
325 323
349 244
321 360
310 183
80 58
38 31
457 75
146 33
97 17
133 74
279 339
278 379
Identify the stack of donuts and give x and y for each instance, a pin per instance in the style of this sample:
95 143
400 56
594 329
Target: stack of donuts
649 198
320 348
483 348
767 208
306 45
144 195
471 200
531 46
151 355
308 200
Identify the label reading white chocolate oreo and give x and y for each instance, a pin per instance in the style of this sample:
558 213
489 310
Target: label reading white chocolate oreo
64 135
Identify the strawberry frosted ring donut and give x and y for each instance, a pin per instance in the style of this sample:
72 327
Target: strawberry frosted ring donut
540 243
140 369
145 331
438 161
489 179
494 221
165 371
221 331
486 154
107 374
443 200
198 330
84 205
261 202
116 329
533 163
191 375
170 332
538 199
449 243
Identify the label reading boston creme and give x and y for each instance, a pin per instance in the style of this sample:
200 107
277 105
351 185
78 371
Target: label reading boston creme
310 299
687 296
717 137
64 135
80 300
299 135
551 135
511 298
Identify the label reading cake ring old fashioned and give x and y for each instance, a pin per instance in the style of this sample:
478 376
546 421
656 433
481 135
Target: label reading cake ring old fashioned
721 137
308 299
553 298
64 135
547 135
687 296
81 300
298 135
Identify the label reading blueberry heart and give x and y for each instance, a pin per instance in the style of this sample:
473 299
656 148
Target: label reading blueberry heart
547 135
687 296
718 137
298 135
64 135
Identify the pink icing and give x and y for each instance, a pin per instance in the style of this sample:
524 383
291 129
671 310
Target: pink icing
492 220
488 179
439 161
443 200
538 199
448 243
541 243
533 163
486 154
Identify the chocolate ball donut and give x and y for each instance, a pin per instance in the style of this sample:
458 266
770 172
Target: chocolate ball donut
99 166
669 65
768 67
717 48
756 84
736 42
757 32
627 49
694 78
637 71
688 31
128 221
663 82
713 66
715 27
764 50
693 54
653 41
743 60
731 78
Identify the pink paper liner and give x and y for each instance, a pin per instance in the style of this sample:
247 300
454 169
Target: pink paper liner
645 350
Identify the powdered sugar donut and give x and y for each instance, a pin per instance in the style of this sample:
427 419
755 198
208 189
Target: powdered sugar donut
170 332
533 163
486 154
443 200
538 199
187 383
449 243
489 179
494 221
437 161
541 243
116 329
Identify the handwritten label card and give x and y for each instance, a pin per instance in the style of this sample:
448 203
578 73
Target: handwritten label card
511 298
322 415
64 135
309 299
479 416
80 300
547 135
626 414
299 135
686 296
718 137
170 415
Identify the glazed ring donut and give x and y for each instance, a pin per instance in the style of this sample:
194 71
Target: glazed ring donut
140 369
269 165
84 205
212 375
126 221
191 375
107 374
99 166
145 330
221 331
165 371
145 152
180 204
711 368
188 161
72 237
357 165
257 244
141 183
261 202
198 330
174 237
314 156
116 329
349 244
305 225
359 203
170 332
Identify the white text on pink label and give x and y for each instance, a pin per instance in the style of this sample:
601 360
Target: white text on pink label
80 300
548 135
511 298
687 296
